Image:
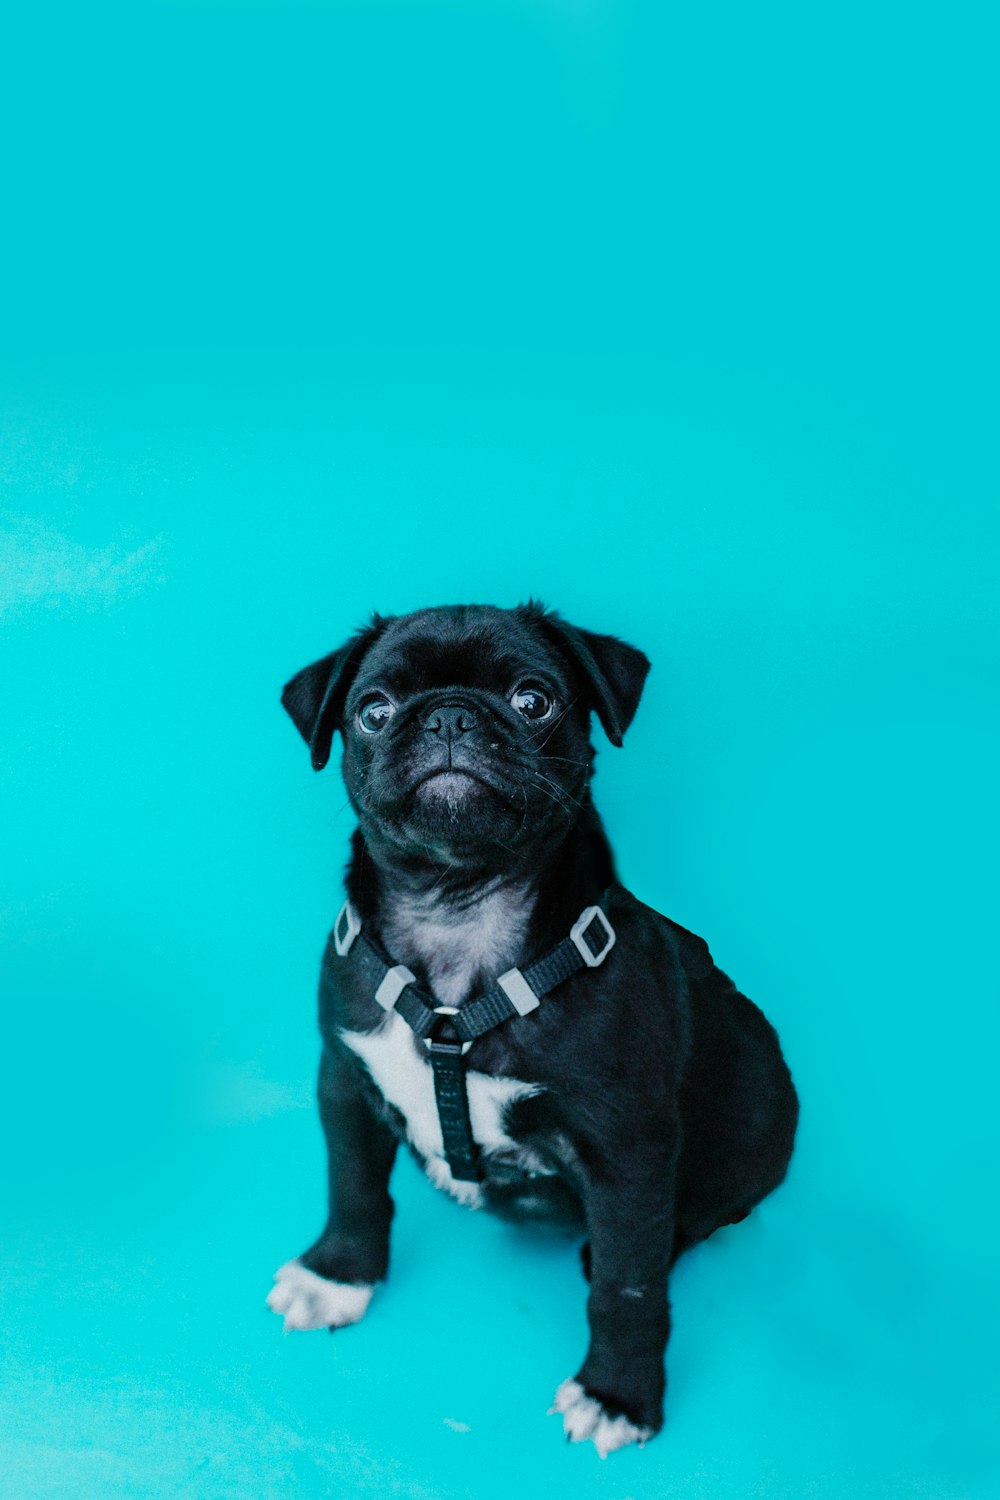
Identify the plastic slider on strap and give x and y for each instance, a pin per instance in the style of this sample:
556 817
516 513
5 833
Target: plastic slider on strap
393 984
345 929
518 991
587 916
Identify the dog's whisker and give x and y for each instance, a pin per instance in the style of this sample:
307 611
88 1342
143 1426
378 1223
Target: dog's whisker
559 718
561 791
557 801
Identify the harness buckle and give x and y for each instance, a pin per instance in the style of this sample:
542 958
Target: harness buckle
459 1047
518 992
587 916
393 984
345 929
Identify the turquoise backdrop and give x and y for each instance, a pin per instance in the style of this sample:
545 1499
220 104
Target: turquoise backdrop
682 319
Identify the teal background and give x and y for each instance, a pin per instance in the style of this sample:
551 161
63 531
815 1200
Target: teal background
682 320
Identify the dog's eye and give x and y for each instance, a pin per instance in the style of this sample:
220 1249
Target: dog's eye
375 714
532 701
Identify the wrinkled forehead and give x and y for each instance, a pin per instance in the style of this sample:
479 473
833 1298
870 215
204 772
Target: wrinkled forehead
486 648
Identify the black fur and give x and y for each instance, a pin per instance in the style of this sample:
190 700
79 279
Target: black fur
668 1108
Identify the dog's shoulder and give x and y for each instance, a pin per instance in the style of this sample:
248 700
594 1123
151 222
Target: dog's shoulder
692 950
346 1002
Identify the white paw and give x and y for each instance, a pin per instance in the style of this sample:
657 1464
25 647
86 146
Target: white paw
439 1172
310 1301
585 1418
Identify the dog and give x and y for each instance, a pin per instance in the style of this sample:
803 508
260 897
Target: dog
545 1043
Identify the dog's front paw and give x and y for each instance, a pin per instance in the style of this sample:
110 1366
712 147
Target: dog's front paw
310 1301
585 1419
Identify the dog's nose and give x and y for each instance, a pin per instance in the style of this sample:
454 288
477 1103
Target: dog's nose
450 719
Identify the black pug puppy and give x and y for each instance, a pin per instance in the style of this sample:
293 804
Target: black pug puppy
494 997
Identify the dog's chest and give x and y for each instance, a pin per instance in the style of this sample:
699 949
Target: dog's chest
453 949
456 946
400 1068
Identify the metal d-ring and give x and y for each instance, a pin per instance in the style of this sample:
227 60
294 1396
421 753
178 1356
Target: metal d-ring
446 1010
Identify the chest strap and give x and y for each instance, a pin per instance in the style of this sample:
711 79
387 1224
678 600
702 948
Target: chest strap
448 1031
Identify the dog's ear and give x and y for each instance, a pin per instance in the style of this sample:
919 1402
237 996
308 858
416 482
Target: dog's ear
315 696
613 671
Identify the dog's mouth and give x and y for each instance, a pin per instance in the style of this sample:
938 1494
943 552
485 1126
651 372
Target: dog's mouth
451 782
420 787
429 795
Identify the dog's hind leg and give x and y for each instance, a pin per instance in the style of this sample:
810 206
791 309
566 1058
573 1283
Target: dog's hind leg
616 1398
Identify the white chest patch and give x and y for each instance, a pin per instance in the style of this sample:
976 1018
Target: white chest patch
454 945
400 1068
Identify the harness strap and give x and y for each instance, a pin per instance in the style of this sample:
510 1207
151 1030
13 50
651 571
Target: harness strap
447 1031
451 1094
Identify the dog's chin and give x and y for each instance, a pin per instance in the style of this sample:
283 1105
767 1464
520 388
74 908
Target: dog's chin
452 785
449 808
453 796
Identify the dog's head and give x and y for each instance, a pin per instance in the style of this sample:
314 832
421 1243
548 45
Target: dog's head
466 726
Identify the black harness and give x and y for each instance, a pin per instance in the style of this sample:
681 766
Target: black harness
448 1031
